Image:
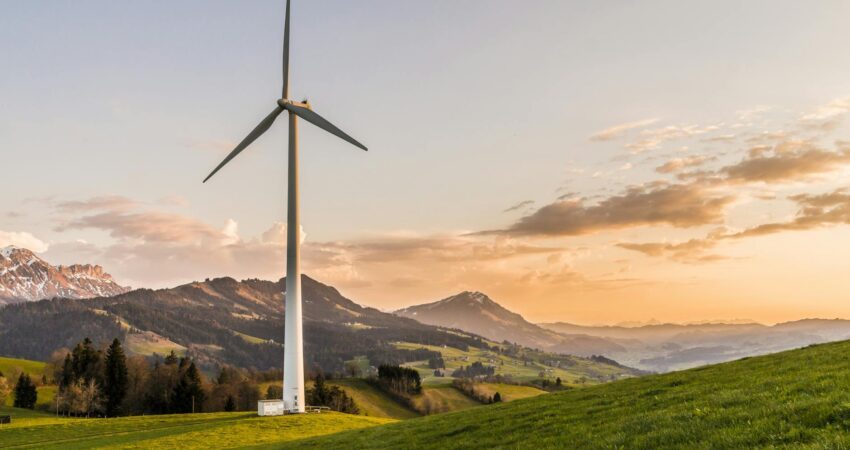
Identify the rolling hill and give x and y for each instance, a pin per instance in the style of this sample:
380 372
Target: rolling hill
794 399
799 398
665 347
225 321
475 312
219 321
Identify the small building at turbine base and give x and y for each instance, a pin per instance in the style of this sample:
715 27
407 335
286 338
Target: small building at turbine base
270 408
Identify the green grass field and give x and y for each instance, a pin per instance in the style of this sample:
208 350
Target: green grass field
34 368
371 401
581 373
509 392
440 399
187 431
794 399
10 366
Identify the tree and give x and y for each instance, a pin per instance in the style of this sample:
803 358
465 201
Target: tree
274 392
82 398
352 368
497 398
25 392
558 381
67 372
230 404
115 382
5 389
189 393
86 362
333 397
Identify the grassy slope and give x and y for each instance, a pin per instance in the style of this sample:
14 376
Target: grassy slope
509 392
36 370
505 365
799 398
371 401
443 399
187 431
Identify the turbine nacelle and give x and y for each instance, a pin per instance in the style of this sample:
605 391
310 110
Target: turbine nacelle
283 102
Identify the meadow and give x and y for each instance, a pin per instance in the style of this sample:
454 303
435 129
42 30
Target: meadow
186 431
794 399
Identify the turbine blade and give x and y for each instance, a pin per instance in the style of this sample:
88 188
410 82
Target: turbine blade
257 132
310 116
286 54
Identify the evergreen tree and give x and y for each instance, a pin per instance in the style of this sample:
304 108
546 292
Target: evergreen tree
86 362
171 358
189 393
497 398
67 372
274 392
25 392
116 384
230 404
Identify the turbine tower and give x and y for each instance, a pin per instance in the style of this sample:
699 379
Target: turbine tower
293 365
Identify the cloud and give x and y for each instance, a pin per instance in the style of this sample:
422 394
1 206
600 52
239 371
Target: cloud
789 160
676 164
815 211
149 226
22 239
174 200
653 138
826 117
691 251
110 202
678 205
519 205
619 130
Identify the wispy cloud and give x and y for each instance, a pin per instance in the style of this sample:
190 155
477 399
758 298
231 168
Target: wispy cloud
519 206
620 130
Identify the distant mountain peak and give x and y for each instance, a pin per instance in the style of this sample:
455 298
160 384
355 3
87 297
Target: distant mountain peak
475 312
24 276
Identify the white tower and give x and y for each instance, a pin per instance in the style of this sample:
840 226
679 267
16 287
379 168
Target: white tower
293 355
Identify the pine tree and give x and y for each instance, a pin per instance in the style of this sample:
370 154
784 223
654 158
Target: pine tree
189 393
230 404
67 378
25 392
116 384
497 398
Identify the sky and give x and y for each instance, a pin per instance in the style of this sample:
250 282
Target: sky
588 162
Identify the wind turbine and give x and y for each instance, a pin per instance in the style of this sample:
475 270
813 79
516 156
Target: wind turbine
293 366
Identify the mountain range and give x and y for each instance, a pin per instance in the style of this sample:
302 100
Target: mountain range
26 277
240 323
657 347
475 312
666 347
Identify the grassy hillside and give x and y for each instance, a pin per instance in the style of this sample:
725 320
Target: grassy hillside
440 399
573 370
186 431
9 365
799 398
371 401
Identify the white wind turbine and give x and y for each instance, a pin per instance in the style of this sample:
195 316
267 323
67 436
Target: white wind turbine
293 366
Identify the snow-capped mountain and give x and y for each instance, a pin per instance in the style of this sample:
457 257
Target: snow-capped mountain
26 277
476 313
